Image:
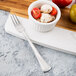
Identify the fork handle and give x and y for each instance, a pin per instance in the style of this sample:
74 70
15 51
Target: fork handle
44 66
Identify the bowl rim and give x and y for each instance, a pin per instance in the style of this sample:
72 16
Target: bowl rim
58 12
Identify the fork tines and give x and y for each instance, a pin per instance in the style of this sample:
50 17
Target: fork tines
15 20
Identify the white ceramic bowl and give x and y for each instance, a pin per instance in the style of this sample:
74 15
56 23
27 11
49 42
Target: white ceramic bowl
43 27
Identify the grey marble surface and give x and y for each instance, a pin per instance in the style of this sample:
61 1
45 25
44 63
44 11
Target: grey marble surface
17 58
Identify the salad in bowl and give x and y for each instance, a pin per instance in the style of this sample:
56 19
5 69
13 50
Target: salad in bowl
44 15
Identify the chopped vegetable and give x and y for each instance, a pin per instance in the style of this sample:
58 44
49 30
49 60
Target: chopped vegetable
54 11
36 13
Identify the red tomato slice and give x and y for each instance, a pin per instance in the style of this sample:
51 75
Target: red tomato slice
54 11
36 13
